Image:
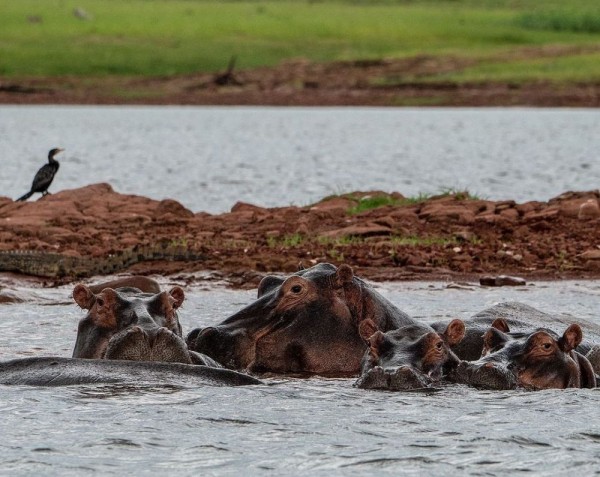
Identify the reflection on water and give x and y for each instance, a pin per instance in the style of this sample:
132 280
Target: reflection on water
208 158
294 426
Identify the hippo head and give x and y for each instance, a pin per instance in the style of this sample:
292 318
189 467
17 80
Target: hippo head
306 323
537 360
125 323
410 357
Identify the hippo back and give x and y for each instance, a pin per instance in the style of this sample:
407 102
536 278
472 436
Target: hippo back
520 318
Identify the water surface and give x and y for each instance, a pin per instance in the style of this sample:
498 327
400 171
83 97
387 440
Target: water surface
293 426
208 158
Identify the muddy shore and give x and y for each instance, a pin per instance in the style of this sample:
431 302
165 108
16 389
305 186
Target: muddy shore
95 231
387 82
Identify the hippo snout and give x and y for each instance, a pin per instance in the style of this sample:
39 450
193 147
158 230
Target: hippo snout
154 344
214 342
402 378
487 375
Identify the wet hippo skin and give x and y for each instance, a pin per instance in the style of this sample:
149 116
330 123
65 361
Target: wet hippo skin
520 318
128 324
540 359
306 323
412 356
54 371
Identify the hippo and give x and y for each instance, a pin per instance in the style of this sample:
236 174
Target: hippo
526 319
55 371
127 324
411 357
307 323
144 284
538 359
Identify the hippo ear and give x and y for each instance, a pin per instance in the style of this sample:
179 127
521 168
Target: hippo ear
178 295
501 325
454 333
268 283
492 339
375 342
84 297
366 329
343 275
571 338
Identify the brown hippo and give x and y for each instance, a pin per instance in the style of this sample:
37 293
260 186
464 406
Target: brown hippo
413 356
128 324
144 284
306 323
524 319
539 359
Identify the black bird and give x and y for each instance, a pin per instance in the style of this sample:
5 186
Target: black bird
44 176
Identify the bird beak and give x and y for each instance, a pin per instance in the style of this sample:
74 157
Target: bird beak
60 150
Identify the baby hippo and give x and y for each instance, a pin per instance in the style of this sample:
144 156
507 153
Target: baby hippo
537 360
409 357
128 324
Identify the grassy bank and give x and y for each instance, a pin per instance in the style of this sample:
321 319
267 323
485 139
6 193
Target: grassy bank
169 37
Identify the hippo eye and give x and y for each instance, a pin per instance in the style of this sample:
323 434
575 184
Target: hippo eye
296 289
547 346
100 301
439 345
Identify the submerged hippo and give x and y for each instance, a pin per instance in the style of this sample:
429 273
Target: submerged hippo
128 324
306 323
413 356
54 371
539 359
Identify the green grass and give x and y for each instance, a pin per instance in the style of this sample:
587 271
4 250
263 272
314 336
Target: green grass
581 67
285 242
373 202
368 203
165 37
566 19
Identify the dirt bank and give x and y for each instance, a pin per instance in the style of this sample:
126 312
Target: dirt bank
95 230
402 82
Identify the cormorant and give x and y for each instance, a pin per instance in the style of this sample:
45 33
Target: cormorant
44 176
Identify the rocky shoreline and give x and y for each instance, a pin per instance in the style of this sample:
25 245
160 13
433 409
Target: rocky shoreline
94 230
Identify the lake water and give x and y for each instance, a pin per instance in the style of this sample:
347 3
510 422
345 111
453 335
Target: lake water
208 158
292 426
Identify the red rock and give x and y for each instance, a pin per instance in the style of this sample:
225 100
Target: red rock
590 254
510 214
245 207
545 214
504 205
173 208
443 213
529 207
589 210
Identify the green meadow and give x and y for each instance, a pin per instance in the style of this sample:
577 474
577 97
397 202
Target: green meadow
168 37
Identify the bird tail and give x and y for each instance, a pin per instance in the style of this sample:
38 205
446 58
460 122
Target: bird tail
25 197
